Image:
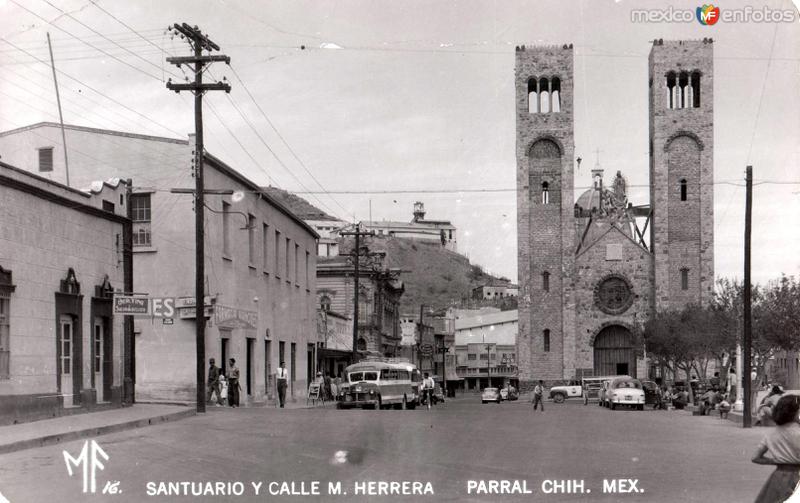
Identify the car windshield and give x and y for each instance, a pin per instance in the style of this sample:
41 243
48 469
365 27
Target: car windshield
490 390
629 384
363 376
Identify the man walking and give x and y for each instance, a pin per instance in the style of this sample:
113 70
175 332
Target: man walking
233 384
213 382
538 393
282 376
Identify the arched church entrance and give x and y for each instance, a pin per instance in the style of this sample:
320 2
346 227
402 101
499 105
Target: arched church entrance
614 352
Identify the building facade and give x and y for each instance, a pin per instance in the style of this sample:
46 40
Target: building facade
485 349
260 260
63 254
589 278
379 331
441 231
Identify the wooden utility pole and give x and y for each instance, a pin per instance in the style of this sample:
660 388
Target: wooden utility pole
356 252
198 42
60 115
747 334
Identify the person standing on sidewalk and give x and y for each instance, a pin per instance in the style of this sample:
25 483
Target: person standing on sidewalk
233 384
538 393
282 376
781 447
213 382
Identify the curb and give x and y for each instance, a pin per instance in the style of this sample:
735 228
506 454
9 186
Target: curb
59 438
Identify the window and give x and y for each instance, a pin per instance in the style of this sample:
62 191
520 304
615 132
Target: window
556 94
325 303
683 189
5 331
46 159
544 96
696 90
287 259
545 193
484 356
141 216
533 97
281 351
226 228
293 363
684 279
297 265
547 340
251 239
546 281
308 262
493 356
98 348
472 356
265 247
277 271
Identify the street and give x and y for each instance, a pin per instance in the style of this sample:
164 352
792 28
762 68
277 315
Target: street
461 450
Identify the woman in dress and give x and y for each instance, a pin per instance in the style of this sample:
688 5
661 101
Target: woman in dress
781 447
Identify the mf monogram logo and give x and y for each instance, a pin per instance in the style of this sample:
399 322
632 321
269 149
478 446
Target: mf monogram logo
90 459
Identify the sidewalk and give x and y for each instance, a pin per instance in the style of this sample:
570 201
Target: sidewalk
23 436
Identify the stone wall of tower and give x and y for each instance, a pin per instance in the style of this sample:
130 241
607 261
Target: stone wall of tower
681 148
545 227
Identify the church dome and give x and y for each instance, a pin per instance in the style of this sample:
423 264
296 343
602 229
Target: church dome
589 200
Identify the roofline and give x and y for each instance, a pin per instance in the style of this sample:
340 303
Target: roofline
96 131
220 165
217 163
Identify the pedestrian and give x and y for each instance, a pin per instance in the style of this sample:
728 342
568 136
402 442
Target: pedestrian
223 389
538 393
781 447
233 384
724 407
764 412
213 382
327 386
282 375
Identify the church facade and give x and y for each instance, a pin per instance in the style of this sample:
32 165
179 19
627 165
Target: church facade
593 270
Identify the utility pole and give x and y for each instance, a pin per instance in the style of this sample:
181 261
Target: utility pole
747 301
60 115
356 252
198 42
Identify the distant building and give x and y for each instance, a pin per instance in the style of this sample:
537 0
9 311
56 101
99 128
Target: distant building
495 291
260 259
64 254
336 341
441 231
486 349
379 302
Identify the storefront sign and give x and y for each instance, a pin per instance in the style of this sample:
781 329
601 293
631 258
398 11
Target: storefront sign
189 312
232 317
182 302
130 305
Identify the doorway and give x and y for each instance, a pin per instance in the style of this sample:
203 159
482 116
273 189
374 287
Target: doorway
98 343
66 329
249 366
614 352
225 339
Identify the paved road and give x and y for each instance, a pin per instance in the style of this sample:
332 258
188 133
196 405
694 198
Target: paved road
670 455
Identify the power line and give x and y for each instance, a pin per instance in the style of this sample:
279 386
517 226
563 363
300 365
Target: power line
87 43
294 154
94 90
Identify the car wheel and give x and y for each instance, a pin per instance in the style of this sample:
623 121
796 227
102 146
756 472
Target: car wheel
640 407
483 402
378 404
613 406
559 398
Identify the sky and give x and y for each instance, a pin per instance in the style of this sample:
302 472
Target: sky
397 102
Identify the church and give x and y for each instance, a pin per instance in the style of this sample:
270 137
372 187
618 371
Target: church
589 279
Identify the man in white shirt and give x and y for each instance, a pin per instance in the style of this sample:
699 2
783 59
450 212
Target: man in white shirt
427 389
283 374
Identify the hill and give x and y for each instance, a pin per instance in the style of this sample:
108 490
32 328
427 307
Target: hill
432 275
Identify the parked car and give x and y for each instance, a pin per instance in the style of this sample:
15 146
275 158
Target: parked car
622 391
509 393
573 389
491 395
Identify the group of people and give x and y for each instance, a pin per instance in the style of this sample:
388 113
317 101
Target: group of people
226 388
329 387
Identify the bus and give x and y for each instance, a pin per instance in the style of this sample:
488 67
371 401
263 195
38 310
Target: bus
380 383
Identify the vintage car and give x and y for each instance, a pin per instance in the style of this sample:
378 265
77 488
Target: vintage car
652 393
622 391
509 393
491 395
586 388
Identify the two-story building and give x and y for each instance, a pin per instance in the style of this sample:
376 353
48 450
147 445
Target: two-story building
379 302
260 259
63 254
